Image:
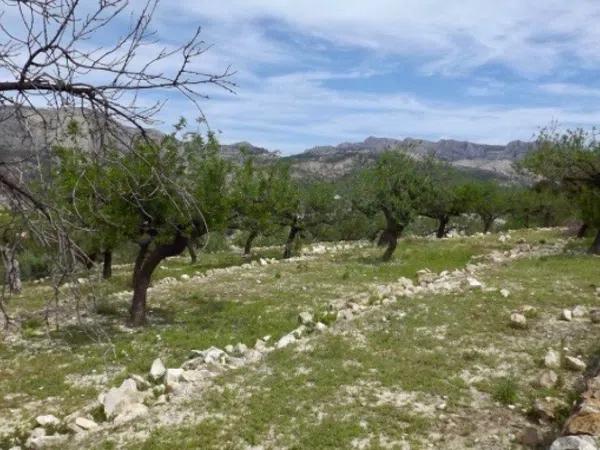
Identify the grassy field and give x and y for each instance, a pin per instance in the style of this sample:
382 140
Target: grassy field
439 371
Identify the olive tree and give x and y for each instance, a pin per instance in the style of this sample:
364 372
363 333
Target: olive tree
394 186
571 161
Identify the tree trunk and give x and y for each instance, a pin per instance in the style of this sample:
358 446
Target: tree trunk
441 231
289 244
582 230
107 265
249 241
595 248
12 270
390 236
146 262
192 251
487 224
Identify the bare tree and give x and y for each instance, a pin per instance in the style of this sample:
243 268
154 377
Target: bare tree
51 71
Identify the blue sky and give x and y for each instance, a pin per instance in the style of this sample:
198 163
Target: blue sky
313 72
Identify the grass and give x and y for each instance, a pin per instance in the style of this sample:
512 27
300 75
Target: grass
381 377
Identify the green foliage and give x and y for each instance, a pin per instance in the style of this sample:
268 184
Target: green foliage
506 391
487 199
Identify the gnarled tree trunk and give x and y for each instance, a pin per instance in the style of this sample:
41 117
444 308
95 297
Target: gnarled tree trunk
107 264
289 243
595 248
249 241
192 252
582 230
390 235
442 222
146 262
12 269
488 222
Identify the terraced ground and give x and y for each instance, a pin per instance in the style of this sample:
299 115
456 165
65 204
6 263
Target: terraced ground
435 370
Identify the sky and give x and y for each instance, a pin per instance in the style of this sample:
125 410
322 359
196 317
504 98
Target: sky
321 72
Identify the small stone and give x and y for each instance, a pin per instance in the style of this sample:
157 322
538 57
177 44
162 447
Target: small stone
141 383
184 277
552 360
504 293
133 412
37 433
580 311
173 376
47 421
158 370
240 349
473 283
566 315
285 341
305 318
595 315
575 364
86 424
518 320
548 379
530 437
161 400
320 327
299 332
574 443
229 349
119 400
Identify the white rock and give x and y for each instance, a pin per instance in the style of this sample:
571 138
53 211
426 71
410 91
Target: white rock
552 359
305 318
319 326
37 433
133 412
299 332
119 400
566 314
173 376
141 383
215 355
229 349
158 370
240 349
580 311
345 314
575 364
47 421
548 379
574 443
184 277
473 283
86 424
504 293
285 341
518 320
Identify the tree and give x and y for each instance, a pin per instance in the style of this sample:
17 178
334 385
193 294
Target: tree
160 196
305 207
12 235
395 187
442 194
259 198
53 73
487 199
571 162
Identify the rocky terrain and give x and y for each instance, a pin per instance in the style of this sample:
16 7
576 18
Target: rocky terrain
483 342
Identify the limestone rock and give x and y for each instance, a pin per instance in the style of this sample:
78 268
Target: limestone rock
552 359
47 421
504 293
229 349
548 379
285 341
473 283
574 443
173 376
530 437
240 349
566 315
586 420
576 364
547 408
184 277
345 314
305 318
319 326
141 383
580 311
518 320
133 412
595 315
120 400
158 370
86 424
